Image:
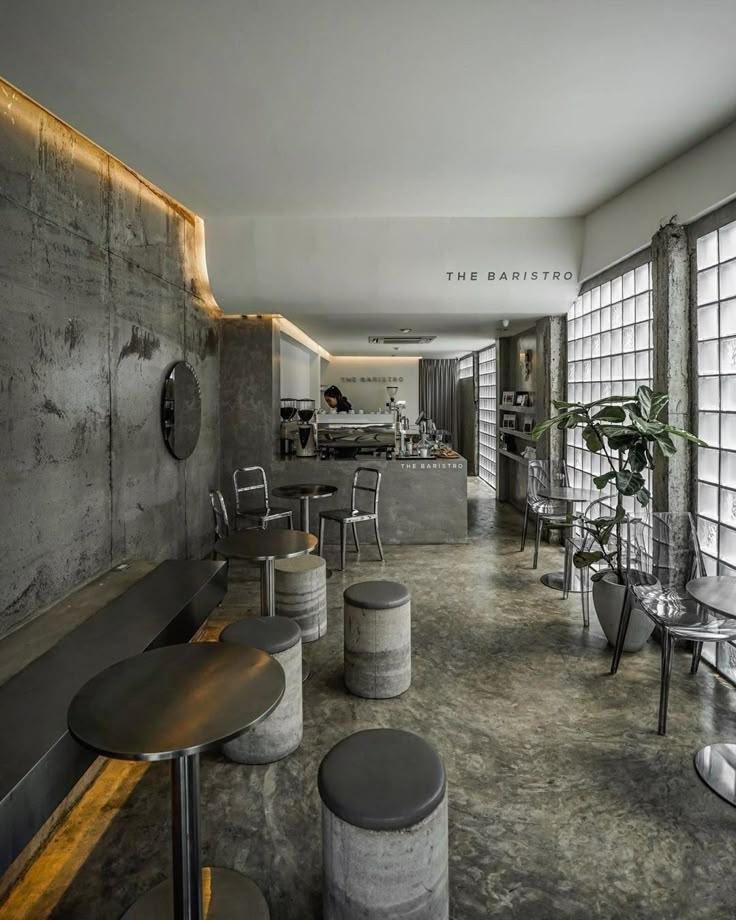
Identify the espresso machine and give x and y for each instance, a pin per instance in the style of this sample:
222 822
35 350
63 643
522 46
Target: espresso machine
288 432
306 441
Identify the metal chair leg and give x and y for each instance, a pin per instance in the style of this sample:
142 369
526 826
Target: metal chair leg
567 574
355 540
697 652
343 544
537 541
378 539
321 543
623 627
525 528
585 587
291 521
668 644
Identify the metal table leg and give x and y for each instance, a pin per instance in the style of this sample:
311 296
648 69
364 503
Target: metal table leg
268 597
304 513
268 600
195 893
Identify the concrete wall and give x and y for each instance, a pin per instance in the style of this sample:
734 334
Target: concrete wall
102 289
297 370
250 393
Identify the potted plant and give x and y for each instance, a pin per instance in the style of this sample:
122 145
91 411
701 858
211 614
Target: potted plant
627 431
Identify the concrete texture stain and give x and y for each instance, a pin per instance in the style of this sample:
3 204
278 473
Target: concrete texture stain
73 336
49 407
141 345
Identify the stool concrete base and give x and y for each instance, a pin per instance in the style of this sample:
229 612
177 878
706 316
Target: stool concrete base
386 875
301 594
377 651
280 733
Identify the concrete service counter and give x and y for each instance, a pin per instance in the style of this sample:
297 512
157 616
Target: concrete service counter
421 501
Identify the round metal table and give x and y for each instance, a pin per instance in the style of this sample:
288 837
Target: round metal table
171 704
716 763
305 492
266 546
570 496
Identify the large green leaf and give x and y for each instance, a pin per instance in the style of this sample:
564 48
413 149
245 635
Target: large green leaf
659 401
610 414
679 433
602 481
629 482
666 444
592 439
582 560
644 398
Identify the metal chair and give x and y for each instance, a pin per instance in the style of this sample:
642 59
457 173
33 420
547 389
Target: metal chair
669 556
355 515
546 511
251 481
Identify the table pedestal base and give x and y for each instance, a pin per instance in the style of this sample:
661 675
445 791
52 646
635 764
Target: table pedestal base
716 766
556 580
226 895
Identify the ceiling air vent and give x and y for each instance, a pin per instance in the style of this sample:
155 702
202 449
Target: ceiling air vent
401 339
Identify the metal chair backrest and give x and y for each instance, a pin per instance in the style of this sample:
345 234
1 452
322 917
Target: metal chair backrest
669 550
543 473
362 475
222 522
251 490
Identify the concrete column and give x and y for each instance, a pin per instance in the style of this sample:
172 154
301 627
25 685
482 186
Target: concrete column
377 651
673 477
301 594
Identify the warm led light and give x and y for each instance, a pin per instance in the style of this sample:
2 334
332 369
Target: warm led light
296 333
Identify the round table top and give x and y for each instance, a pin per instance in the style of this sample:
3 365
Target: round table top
304 490
569 494
260 545
175 701
718 592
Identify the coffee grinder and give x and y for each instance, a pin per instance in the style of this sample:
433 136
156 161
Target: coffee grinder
288 427
306 442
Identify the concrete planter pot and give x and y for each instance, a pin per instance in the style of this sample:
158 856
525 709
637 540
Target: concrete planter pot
608 599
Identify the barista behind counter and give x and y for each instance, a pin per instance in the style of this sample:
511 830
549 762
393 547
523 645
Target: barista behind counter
335 400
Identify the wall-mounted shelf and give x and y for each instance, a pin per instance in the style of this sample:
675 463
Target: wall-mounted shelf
524 435
521 410
517 458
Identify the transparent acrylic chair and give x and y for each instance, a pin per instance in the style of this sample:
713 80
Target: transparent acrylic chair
666 556
541 474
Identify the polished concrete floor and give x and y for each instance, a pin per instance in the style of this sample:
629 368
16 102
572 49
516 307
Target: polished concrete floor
564 802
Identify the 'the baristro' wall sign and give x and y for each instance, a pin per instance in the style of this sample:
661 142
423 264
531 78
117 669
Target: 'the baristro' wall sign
510 276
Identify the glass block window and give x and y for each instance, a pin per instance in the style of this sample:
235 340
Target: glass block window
487 415
716 503
465 366
609 353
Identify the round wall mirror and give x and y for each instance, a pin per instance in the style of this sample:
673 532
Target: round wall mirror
181 410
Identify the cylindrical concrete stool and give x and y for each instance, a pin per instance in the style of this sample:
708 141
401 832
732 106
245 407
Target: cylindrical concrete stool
281 732
377 639
384 829
301 594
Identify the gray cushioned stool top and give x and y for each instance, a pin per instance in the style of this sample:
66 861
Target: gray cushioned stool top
382 779
269 634
377 595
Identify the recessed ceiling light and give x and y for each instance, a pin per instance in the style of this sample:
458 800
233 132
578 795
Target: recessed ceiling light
404 330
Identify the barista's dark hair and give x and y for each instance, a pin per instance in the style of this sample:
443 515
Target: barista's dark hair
333 392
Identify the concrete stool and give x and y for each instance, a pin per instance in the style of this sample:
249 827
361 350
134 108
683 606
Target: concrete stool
377 639
280 733
384 829
301 594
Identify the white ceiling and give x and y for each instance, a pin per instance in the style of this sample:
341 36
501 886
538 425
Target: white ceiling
365 108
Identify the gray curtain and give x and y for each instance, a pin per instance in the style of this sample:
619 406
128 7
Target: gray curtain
438 393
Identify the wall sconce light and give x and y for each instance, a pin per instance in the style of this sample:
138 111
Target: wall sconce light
525 361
